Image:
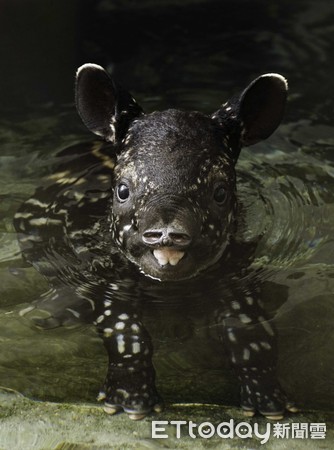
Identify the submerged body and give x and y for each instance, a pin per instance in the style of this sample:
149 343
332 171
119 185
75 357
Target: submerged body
157 210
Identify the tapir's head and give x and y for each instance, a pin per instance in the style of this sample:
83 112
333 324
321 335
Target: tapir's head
174 181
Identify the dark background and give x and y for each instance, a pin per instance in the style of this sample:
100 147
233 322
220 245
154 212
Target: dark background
166 50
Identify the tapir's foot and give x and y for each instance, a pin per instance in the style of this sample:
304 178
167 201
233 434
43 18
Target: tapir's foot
133 392
274 414
132 414
263 394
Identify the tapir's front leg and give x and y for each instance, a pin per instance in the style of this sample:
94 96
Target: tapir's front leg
130 380
251 342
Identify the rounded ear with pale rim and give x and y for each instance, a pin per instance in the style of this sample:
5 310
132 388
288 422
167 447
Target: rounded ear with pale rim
255 114
262 107
104 107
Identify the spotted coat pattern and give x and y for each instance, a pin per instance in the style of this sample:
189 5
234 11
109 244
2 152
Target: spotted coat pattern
154 207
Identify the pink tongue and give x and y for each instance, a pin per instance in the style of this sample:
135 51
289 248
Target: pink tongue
167 255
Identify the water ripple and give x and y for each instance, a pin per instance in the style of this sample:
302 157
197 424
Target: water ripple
293 214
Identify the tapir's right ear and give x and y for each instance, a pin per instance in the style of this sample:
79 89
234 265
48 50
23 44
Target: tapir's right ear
104 107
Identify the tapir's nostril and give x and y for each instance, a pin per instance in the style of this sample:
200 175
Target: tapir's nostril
152 237
179 238
170 237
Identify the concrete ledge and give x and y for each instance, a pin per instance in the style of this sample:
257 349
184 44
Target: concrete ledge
30 425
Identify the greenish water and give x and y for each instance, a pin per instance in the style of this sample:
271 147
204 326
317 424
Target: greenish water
286 185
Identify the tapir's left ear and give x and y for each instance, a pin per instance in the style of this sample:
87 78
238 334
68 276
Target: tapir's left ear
256 113
104 107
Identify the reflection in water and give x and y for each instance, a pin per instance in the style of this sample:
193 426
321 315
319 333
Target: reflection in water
285 186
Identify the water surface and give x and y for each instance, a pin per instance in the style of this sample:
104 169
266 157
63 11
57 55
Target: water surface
286 185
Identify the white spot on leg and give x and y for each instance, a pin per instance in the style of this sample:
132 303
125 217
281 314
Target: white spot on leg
244 318
135 347
249 300
231 336
107 332
235 305
123 317
123 392
254 346
265 345
120 343
135 328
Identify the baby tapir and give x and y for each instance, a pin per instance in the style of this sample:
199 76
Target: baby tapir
154 206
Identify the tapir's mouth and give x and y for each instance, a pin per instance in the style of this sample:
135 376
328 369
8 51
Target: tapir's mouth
168 263
174 262
168 255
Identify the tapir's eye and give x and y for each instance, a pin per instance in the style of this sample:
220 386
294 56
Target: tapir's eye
123 192
220 194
